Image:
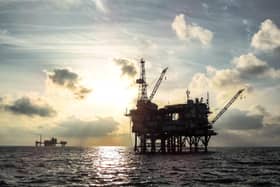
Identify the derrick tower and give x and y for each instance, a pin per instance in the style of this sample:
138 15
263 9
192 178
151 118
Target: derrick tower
142 93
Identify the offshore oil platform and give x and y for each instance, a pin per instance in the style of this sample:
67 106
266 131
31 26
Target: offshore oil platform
174 128
49 143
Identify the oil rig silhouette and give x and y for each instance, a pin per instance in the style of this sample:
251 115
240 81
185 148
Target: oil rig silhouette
174 128
49 143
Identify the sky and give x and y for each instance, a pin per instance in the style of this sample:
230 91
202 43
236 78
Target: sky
68 68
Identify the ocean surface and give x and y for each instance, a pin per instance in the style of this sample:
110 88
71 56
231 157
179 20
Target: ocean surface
119 166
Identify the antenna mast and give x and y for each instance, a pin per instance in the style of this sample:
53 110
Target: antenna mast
188 94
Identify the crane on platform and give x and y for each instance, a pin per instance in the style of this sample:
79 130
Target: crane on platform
158 83
226 106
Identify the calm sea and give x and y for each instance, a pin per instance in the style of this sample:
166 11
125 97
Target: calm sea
119 166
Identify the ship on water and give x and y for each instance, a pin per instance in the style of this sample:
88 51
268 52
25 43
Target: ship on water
173 128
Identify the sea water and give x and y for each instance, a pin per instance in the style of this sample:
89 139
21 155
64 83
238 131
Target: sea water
120 166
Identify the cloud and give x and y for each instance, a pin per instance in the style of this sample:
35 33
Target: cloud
268 36
189 31
255 117
205 5
100 6
127 67
77 128
225 78
145 44
243 128
7 39
28 107
246 68
260 110
70 80
235 119
249 65
269 119
65 4
222 83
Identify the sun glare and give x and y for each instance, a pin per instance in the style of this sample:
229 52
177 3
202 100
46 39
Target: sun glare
113 91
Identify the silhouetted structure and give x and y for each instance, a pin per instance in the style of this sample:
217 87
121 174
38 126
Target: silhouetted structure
174 128
49 143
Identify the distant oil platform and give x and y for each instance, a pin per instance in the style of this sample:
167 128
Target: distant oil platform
174 128
49 143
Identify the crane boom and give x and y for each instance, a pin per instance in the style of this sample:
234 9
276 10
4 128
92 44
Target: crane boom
227 106
158 83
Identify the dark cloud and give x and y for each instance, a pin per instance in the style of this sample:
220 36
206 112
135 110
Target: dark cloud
24 106
243 128
77 128
64 77
272 132
269 118
256 127
70 80
127 67
240 120
82 92
260 109
249 66
276 52
232 138
266 136
253 70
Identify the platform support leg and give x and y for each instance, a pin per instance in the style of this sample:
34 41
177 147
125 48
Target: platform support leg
173 144
205 142
180 144
189 140
162 145
153 144
168 145
135 142
196 140
143 143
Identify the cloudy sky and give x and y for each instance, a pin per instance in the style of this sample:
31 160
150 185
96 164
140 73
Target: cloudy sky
68 68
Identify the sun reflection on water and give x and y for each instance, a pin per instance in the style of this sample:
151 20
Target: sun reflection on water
112 164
